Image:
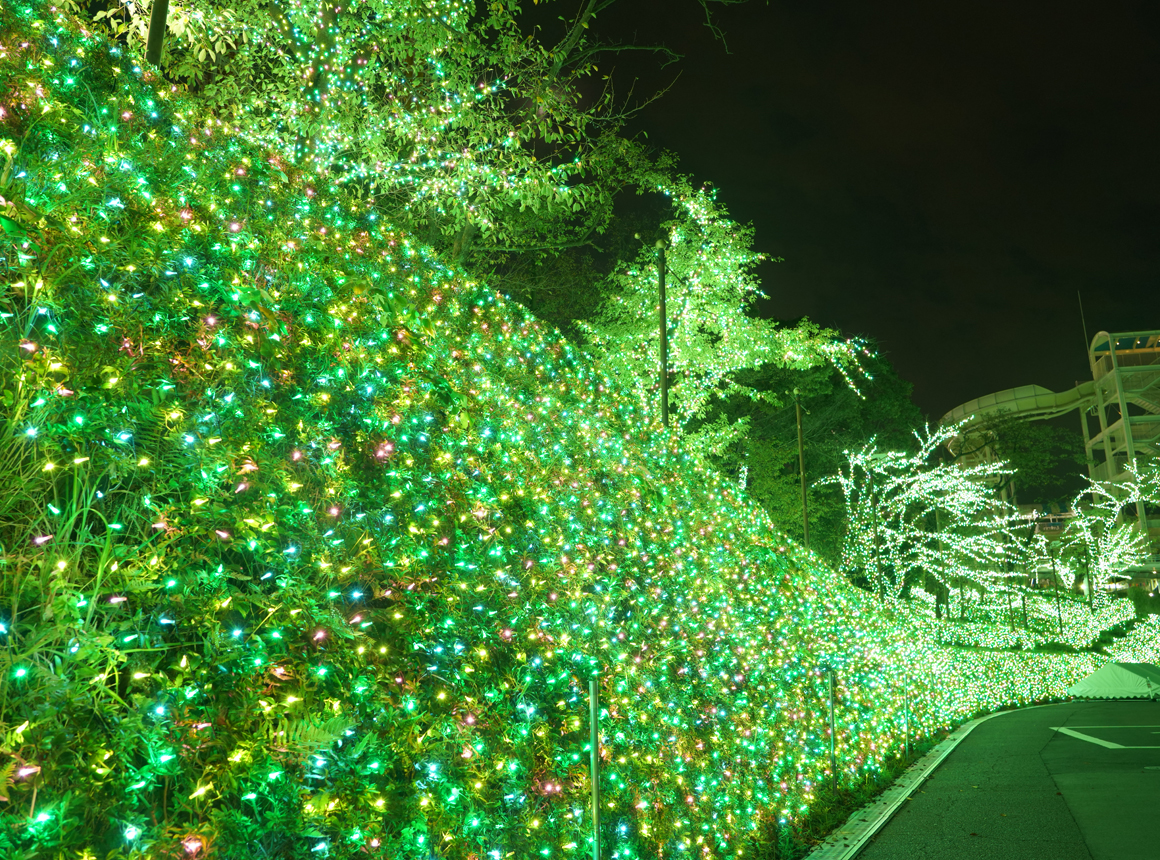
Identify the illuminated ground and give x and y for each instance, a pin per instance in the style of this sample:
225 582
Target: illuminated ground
313 544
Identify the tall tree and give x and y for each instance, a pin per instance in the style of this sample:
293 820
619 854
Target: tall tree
461 124
457 118
714 337
911 515
835 419
1104 539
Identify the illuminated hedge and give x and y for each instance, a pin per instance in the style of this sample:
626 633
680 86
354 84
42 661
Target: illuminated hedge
311 546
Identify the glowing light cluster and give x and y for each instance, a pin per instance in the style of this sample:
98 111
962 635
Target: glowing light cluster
908 515
713 335
313 544
442 110
914 522
1104 538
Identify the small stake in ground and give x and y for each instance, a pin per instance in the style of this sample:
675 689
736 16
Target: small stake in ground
594 732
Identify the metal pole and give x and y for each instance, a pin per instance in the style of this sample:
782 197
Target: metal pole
942 558
802 469
906 714
594 732
877 554
1087 344
833 758
157 18
1055 580
664 334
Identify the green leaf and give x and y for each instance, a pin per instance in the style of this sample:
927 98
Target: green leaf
13 228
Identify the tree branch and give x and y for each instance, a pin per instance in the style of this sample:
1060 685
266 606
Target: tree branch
579 243
717 32
435 18
671 56
565 48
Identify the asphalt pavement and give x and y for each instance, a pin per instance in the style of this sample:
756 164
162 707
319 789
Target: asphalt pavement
1075 781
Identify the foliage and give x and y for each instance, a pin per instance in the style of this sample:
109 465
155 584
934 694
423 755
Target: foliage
909 514
318 542
835 804
835 419
1045 459
713 337
913 520
1030 618
454 116
1104 539
456 124
1138 644
1145 602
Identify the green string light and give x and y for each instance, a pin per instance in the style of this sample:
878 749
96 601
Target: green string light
378 527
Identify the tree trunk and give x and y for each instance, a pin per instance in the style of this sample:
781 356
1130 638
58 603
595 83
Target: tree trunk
462 246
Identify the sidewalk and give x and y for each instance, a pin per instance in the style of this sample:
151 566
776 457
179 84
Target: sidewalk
1018 789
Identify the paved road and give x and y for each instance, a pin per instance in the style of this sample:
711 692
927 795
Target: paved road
1018 789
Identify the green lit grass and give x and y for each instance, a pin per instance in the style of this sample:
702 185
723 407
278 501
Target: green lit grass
310 541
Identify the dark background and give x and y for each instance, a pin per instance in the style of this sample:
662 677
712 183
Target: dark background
941 177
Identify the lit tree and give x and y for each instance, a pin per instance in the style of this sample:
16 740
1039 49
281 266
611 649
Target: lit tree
713 338
458 124
1100 538
908 513
454 124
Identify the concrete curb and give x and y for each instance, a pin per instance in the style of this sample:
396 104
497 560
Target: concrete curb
849 839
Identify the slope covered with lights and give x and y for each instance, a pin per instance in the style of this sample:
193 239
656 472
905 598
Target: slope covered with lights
311 545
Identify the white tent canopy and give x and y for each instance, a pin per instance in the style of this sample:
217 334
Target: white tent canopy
1120 681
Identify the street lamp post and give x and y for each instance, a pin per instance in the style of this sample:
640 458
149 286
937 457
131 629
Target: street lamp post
833 756
1087 577
906 713
594 735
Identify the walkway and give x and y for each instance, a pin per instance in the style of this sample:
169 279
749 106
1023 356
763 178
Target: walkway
1077 781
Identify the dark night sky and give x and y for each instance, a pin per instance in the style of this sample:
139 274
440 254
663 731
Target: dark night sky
940 177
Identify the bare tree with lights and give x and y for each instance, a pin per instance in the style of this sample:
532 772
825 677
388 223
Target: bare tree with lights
908 513
1100 538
